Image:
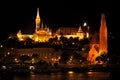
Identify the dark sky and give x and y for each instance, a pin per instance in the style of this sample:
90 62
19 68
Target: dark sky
20 14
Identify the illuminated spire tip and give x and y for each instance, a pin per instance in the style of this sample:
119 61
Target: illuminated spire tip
37 11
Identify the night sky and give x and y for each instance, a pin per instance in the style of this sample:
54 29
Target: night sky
20 14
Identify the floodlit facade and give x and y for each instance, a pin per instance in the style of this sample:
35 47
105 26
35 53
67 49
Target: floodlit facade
74 32
103 36
98 44
43 33
98 48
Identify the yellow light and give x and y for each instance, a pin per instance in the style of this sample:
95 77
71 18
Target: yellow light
90 72
16 60
70 72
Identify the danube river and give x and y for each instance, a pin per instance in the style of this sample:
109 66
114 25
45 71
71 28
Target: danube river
68 75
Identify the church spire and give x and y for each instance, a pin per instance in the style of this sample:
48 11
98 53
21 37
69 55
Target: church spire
38 20
103 35
38 12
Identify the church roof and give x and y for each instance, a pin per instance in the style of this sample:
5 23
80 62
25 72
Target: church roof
95 38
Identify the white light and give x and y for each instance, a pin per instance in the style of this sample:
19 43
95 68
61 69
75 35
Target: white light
85 24
4 67
31 67
1 46
8 53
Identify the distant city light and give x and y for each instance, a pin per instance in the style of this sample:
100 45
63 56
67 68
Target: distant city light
31 67
85 24
1 46
70 72
8 53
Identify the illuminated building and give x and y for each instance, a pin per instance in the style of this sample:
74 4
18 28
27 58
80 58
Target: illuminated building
103 36
73 32
98 48
46 54
94 48
98 44
42 33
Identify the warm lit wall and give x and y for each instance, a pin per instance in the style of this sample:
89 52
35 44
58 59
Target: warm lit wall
93 53
103 36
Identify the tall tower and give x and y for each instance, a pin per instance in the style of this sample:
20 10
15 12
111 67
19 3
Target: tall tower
37 20
103 36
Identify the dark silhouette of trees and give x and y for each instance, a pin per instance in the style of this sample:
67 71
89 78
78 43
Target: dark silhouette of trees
64 57
11 42
103 57
24 58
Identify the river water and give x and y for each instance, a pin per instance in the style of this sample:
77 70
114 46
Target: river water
68 75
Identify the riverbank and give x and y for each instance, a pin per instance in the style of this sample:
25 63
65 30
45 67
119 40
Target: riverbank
59 68
93 68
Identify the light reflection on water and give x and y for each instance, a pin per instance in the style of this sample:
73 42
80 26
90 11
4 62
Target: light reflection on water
70 75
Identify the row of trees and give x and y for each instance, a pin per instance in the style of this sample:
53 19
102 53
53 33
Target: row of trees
53 42
72 58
